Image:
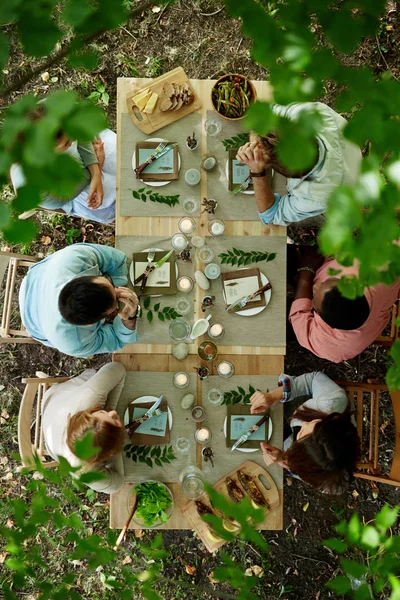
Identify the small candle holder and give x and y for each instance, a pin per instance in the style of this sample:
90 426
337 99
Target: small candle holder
225 369
187 225
179 242
202 372
207 302
181 379
185 284
216 227
216 331
182 446
192 177
202 436
212 271
207 350
182 305
197 241
205 254
190 204
198 414
215 397
192 142
186 254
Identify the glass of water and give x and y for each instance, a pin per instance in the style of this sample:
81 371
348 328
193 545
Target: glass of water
212 126
182 446
179 330
190 204
192 484
205 254
182 305
215 397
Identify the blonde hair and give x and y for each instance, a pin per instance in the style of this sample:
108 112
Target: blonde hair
106 435
268 145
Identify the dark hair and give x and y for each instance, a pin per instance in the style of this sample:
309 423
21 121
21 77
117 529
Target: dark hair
342 313
327 458
268 144
83 302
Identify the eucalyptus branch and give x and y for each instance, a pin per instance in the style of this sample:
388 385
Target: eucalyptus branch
22 80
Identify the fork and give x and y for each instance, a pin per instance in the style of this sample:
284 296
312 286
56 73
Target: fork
151 158
242 187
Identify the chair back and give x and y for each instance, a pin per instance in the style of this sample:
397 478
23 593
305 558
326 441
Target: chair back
30 430
392 330
367 398
9 264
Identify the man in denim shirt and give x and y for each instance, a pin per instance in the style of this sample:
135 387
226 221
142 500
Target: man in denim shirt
337 163
66 299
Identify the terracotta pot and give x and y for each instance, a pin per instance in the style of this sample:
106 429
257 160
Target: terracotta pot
249 83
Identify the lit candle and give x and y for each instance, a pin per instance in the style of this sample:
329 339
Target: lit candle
216 330
181 379
202 435
187 225
225 369
179 241
216 227
185 284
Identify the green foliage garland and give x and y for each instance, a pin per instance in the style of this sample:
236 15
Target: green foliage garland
150 455
145 195
241 257
236 141
234 397
167 313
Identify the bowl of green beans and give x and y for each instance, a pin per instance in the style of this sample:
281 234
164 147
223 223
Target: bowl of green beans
231 96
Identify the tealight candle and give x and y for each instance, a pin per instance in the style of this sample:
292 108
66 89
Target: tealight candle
198 414
202 435
187 225
192 177
216 227
197 241
181 379
185 284
179 241
216 330
225 369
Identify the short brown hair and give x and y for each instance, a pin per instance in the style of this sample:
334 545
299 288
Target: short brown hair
268 145
106 435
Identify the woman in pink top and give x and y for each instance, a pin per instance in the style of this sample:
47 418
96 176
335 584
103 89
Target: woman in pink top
327 323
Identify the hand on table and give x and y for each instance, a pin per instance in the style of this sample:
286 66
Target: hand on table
130 301
96 193
271 454
262 401
251 155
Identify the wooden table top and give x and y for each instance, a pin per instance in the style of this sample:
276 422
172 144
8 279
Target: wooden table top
248 360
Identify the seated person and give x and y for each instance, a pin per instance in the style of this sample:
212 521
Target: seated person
87 403
327 323
308 191
65 299
323 447
95 195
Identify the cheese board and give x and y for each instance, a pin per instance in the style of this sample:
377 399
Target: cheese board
174 80
251 468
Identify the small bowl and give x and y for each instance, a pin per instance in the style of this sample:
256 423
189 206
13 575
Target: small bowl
253 96
139 522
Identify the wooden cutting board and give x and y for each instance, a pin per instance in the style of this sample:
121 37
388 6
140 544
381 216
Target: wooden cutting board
159 119
251 468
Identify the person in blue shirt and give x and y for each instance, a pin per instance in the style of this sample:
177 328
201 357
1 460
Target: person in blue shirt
337 163
67 299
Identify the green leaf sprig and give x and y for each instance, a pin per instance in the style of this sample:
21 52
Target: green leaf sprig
150 455
241 257
167 313
236 141
234 397
145 195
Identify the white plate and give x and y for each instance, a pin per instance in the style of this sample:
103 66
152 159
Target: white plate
155 183
248 312
143 400
132 270
241 449
227 178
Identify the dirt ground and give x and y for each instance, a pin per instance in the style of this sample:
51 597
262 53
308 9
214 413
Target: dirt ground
199 36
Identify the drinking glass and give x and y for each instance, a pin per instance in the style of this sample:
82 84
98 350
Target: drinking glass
192 484
212 126
182 446
215 397
190 204
179 330
182 305
205 254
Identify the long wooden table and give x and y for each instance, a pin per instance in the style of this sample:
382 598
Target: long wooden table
248 360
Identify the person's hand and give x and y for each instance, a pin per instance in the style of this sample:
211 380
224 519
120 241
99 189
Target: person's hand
251 155
271 454
310 257
262 401
98 146
129 300
96 193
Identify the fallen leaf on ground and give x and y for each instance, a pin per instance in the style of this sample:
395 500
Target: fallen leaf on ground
10 524
46 240
139 533
305 507
4 414
3 556
3 460
155 9
190 570
289 481
7 477
211 578
127 560
45 76
355 494
254 571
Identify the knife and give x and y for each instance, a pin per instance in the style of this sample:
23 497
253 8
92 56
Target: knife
154 157
243 438
153 411
149 269
241 303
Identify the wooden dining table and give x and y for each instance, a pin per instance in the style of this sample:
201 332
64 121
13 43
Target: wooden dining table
263 358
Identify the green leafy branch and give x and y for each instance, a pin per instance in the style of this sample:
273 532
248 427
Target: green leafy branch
150 455
168 312
234 397
236 141
145 195
100 94
241 257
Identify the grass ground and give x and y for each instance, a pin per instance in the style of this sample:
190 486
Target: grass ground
198 35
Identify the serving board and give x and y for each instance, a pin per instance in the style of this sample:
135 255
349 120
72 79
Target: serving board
159 119
251 468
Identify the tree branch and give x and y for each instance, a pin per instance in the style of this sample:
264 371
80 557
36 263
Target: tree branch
22 80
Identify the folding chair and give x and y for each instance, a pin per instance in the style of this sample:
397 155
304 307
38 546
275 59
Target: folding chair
9 264
30 431
389 338
366 397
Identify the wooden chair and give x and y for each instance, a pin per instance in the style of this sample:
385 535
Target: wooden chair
9 264
366 397
30 432
389 338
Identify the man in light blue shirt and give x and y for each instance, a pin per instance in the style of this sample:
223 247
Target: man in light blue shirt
337 163
66 299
